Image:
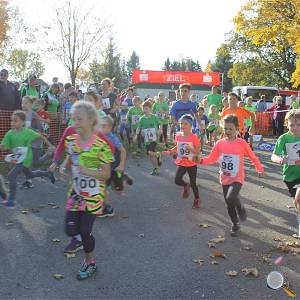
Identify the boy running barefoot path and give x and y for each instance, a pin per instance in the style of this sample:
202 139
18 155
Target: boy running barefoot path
89 158
287 153
187 149
230 152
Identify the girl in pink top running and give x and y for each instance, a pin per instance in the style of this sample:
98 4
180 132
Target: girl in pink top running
230 152
187 149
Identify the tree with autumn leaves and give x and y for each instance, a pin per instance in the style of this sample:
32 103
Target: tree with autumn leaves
265 46
4 22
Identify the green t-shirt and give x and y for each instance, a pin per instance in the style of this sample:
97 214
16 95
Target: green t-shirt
53 103
290 146
295 105
213 119
215 99
251 108
149 126
133 116
161 110
22 138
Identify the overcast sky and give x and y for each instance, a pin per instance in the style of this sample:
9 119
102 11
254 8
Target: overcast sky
155 29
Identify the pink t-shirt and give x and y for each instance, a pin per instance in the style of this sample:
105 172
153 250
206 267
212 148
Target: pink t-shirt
230 155
185 156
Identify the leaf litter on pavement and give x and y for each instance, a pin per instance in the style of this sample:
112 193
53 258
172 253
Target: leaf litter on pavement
70 255
58 276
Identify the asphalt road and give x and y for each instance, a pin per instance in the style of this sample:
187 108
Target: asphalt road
147 250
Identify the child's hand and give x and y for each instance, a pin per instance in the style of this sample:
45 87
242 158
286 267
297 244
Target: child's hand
284 160
196 158
119 168
63 172
53 167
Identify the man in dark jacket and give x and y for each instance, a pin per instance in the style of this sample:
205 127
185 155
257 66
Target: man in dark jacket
9 95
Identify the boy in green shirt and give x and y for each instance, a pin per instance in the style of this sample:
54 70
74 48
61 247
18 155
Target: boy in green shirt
287 153
133 116
149 126
19 140
161 110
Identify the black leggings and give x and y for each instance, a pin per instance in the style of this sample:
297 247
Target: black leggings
164 133
231 193
81 222
192 171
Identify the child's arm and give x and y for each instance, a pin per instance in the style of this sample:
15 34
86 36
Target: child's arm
212 158
121 166
166 152
101 174
278 159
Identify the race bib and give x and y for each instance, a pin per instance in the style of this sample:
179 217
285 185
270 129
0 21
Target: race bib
135 119
150 135
106 103
160 115
84 185
182 152
214 122
293 153
229 164
45 126
18 156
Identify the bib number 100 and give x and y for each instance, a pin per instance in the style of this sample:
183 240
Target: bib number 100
85 183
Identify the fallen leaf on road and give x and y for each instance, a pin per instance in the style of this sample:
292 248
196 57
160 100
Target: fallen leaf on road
55 206
292 244
247 248
284 248
55 240
141 235
211 245
277 239
70 255
217 240
198 261
24 212
250 271
218 253
214 262
58 276
290 206
296 236
9 223
205 225
232 273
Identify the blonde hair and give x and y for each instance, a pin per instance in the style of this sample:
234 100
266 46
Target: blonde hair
292 114
107 120
89 109
29 99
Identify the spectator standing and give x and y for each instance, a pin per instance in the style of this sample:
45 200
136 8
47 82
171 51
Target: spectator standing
261 105
51 99
9 95
31 89
279 110
294 102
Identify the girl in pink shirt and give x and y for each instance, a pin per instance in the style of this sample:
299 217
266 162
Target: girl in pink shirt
230 152
187 149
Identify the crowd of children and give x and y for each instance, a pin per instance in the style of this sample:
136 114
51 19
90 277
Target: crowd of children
95 156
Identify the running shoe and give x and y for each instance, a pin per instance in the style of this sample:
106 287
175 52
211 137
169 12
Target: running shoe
196 203
9 204
235 228
242 214
186 191
27 184
73 246
86 271
155 172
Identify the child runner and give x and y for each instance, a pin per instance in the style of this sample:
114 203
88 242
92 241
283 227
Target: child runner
161 110
134 114
118 165
72 98
44 116
230 152
187 149
89 158
286 153
148 127
95 99
213 117
33 122
202 122
19 140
